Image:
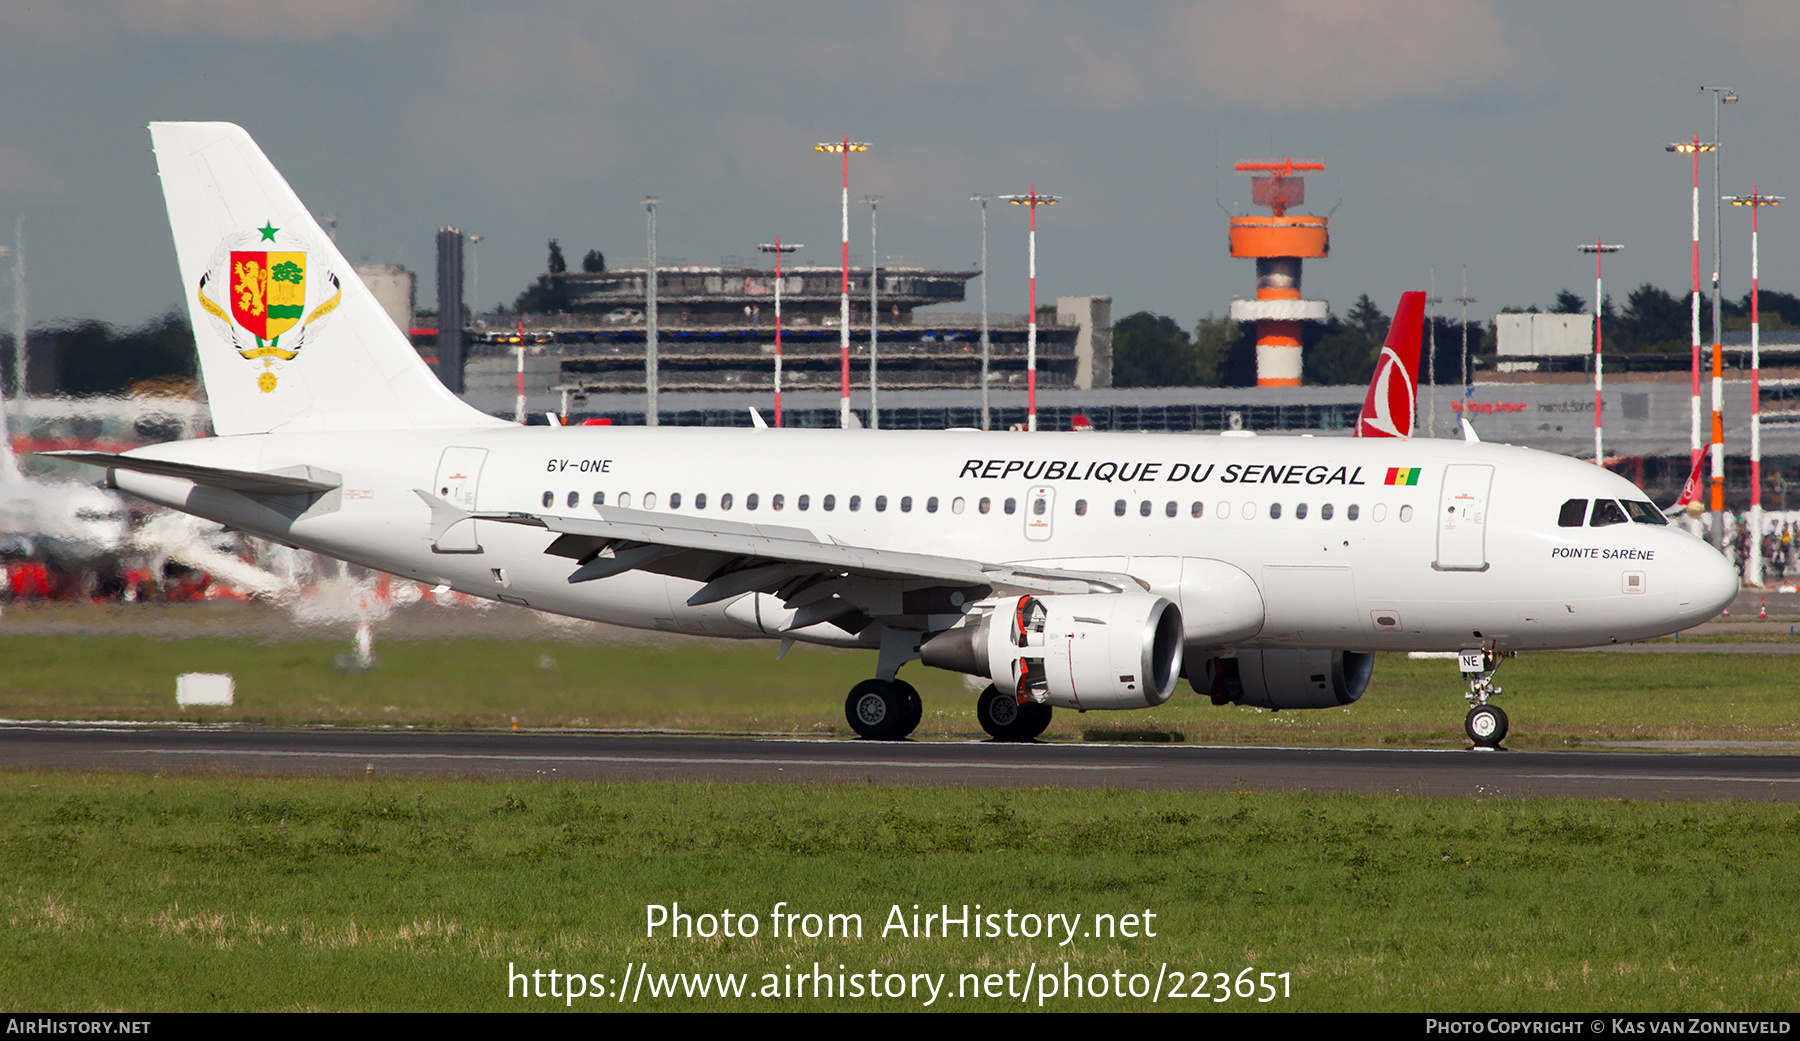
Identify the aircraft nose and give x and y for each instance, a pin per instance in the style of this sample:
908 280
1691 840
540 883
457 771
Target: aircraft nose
1708 582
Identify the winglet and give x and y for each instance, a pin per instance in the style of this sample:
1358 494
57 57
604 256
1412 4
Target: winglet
1469 432
756 419
1393 397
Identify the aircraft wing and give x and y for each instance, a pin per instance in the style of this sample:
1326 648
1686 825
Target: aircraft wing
292 480
822 581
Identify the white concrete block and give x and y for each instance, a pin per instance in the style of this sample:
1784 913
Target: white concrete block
203 688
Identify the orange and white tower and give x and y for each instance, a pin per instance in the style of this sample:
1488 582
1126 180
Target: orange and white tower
1279 243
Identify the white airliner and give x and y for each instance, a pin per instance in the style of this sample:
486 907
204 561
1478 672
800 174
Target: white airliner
1085 571
72 525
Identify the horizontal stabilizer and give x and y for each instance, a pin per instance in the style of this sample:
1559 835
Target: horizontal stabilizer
291 480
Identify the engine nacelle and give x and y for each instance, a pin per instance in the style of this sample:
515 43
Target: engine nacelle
1285 679
1093 651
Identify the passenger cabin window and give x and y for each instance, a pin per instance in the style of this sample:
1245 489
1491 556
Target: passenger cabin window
777 501
1353 511
829 502
725 501
574 499
1572 513
1011 507
624 500
855 503
931 504
1144 508
985 504
1171 508
1274 511
1606 512
599 498
1119 508
1644 513
751 501
1198 509
803 502
1080 507
906 504
699 500
549 499
1300 512
674 500
1325 512
956 504
881 504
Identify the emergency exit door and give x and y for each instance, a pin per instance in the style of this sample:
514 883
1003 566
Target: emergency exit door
1462 517
458 477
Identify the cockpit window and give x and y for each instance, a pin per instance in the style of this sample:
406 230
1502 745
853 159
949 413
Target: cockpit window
1572 513
1606 512
1644 513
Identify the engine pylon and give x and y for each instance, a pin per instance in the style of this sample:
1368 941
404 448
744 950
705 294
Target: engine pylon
1278 243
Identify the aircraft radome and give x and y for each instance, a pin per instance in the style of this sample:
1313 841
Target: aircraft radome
1082 571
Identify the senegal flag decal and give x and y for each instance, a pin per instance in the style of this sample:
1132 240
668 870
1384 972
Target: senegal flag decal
1402 475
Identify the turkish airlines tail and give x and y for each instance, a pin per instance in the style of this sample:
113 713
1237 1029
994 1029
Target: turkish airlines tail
288 337
1393 396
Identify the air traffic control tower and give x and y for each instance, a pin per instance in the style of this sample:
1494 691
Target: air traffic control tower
1279 243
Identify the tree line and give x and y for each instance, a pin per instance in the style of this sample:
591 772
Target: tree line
1153 350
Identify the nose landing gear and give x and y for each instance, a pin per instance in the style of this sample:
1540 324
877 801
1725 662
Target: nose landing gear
1485 724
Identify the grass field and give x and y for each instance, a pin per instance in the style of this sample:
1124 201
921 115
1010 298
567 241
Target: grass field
192 893
1555 700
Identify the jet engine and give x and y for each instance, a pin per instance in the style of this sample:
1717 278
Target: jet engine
1092 651
1285 679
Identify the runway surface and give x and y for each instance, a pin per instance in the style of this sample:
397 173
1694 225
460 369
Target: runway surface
275 752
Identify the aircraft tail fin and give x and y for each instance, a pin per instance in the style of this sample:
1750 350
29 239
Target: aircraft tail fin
1693 488
1393 397
288 336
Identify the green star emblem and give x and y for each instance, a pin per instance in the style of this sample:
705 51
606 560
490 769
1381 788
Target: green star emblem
268 231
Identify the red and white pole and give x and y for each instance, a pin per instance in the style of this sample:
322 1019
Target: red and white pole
1031 327
1598 249
1599 378
1031 200
844 304
778 331
519 404
1694 401
1753 570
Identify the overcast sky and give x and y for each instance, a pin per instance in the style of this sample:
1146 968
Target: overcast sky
1496 135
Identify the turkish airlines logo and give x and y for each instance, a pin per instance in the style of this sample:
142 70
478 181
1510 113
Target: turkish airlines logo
1388 410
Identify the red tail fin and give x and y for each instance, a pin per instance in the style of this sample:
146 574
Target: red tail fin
1394 392
1692 489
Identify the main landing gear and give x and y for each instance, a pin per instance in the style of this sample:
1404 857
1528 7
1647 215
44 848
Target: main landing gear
883 710
1006 718
1485 724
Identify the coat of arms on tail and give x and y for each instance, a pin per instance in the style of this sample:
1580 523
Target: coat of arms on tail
268 291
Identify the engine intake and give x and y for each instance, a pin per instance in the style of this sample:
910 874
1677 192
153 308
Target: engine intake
1286 679
1094 651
